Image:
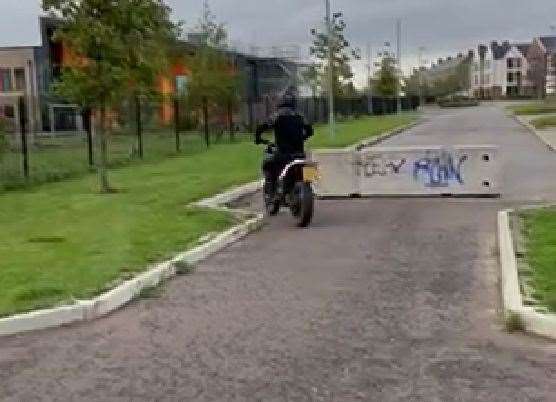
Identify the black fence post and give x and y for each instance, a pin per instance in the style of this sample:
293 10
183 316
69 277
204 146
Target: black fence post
139 126
177 124
87 116
231 120
205 121
23 130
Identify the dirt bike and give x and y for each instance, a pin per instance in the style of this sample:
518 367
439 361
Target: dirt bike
293 188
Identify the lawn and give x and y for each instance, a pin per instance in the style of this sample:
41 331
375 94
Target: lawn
540 229
61 158
544 122
534 108
64 241
353 131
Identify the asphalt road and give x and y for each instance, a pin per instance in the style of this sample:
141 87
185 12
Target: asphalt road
381 300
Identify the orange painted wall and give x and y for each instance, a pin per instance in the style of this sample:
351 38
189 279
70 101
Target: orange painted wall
167 87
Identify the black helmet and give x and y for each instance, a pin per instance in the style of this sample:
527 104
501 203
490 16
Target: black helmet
289 99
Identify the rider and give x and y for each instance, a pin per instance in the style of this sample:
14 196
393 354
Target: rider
290 133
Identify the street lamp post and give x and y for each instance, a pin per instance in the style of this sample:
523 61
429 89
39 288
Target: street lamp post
421 83
331 117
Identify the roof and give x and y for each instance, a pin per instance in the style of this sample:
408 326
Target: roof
549 42
19 47
523 47
499 51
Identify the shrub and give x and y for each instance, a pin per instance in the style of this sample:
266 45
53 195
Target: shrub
457 101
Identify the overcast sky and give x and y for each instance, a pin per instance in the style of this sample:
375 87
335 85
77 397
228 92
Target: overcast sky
444 27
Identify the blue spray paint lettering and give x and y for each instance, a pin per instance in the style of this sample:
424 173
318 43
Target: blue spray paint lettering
439 171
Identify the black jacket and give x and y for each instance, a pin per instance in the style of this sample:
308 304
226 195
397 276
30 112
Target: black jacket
290 131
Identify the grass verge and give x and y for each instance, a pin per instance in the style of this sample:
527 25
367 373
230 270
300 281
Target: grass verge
353 131
534 109
64 241
540 231
544 122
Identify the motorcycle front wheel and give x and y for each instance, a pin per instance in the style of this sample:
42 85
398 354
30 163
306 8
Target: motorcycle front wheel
272 206
303 205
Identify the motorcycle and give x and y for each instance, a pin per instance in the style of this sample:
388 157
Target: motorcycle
293 189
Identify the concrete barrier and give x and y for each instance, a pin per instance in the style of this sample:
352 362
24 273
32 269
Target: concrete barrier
337 169
409 171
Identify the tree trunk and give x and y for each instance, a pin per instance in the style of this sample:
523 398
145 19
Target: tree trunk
103 163
205 121
139 126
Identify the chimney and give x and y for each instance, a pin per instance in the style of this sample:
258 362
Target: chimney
483 49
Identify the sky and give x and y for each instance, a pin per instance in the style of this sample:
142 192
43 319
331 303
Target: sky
442 27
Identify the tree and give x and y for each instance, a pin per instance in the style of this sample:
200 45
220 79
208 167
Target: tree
339 47
214 34
312 78
120 48
3 140
386 81
214 82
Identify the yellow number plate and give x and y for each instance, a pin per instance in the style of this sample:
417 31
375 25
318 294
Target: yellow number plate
310 174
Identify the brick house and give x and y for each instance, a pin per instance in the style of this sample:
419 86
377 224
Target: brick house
542 60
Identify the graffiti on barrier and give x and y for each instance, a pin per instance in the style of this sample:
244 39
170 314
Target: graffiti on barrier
376 165
440 170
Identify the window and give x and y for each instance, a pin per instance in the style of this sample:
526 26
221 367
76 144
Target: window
19 79
9 111
181 84
476 80
5 80
487 79
487 64
510 78
514 63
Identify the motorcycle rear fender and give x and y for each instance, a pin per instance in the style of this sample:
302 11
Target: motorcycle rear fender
294 163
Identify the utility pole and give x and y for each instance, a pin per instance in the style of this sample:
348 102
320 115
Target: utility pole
331 117
369 76
399 58
421 83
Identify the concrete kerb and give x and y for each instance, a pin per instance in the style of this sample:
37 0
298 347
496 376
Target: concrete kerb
533 321
525 123
86 310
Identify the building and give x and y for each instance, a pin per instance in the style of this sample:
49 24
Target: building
449 76
19 92
500 70
31 71
542 65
